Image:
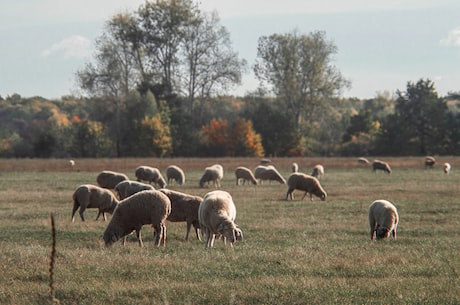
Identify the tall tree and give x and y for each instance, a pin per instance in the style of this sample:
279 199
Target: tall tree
299 72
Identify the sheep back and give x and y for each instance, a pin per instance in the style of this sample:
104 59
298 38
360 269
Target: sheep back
429 162
109 179
92 196
383 219
380 165
126 188
268 172
306 183
244 174
150 174
175 173
214 173
143 208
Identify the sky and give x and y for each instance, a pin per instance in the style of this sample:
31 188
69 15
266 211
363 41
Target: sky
381 45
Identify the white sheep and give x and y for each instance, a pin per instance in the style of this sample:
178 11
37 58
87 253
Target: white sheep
150 174
294 167
268 172
109 179
92 196
184 207
306 183
383 219
318 171
126 188
71 163
216 214
429 162
446 168
143 208
244 174
362 160
175 173
214 174
384 166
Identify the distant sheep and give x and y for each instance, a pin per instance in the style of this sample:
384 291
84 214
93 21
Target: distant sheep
429 162
380 165
269 173
363 160
175 173
446 168
318 171
184 207
92 196
244 174
150 174
216 215
71 163
126 188
306 183
294 167
214 174
109 179
143 208
383 219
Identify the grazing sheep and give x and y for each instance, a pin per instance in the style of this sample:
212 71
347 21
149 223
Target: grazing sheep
377 164
92 196
150 174
383 219
184 207
446 168
318 171
143 208
429 162
363 160
269 173
109 179
126 188
244 174
214 173
175 173
295 167
216 215
304 182
265 161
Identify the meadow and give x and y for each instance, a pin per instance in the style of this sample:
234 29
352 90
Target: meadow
294 252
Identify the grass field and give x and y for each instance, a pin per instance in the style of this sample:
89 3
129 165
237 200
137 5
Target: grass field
294 252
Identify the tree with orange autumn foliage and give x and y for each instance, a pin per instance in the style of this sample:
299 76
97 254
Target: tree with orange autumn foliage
157 133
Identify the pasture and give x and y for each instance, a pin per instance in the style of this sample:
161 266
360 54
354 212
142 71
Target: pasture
294 252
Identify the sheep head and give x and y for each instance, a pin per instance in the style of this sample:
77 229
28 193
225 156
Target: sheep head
382 232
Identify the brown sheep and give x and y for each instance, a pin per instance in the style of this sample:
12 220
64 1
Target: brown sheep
150 174
383 219
214 174
269 173
429 162
109 179
304 182
380 165
126 188
175 173
92 196
244 174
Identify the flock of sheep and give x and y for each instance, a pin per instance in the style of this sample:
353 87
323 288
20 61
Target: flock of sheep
134 204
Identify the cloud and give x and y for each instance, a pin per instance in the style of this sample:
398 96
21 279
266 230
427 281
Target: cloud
75 46
453 38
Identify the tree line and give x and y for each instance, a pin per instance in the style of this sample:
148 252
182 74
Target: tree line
158 86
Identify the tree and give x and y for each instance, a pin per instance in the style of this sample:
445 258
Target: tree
299 72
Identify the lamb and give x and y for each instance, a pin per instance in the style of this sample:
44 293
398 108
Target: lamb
377 164
214 173
184 207
429 162
304 182
294 167
150 174
318 171
216 215
92 196
269 173
175 173
146 207
126 188
383 219
109 179
244 174
446 167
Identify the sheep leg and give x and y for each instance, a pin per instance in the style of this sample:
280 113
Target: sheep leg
304 195
76 205
394 233
289 194
157 234
372 226
82 210
163 235
196 225
189 225
139 237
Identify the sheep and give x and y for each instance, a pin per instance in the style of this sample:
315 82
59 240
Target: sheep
109 179
363 160
294 167
92 196
304 182
214 173
446 168
318 171
71 163
126 188
244 174
265 161
377 164
383 219
150 174
184 207
216 215
429 162
175 173
146 207
269 173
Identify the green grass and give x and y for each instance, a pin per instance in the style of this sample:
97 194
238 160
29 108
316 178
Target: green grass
294 252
